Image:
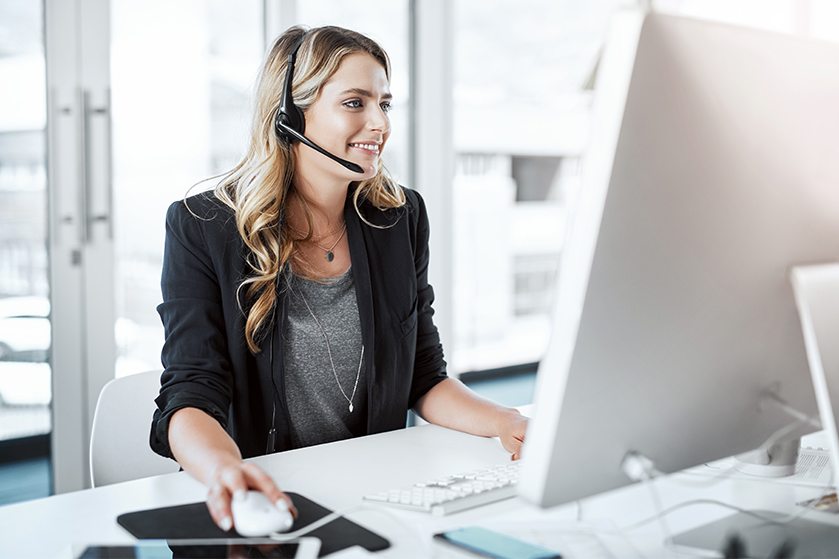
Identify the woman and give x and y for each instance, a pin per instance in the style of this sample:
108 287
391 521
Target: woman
296 303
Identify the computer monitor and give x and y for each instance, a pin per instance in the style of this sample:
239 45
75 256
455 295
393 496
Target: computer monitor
713 168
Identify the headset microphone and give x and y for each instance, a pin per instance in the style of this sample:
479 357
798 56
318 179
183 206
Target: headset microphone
290 123
298 136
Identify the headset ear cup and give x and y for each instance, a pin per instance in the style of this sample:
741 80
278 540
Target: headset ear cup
298 121
278 129
289 116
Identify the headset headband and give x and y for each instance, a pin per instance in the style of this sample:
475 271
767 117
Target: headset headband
288 114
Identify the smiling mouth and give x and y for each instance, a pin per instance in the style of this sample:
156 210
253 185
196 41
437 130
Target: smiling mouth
368 147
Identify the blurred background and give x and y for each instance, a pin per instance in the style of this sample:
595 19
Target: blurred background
111 110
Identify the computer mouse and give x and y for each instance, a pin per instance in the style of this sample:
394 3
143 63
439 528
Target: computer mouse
255 515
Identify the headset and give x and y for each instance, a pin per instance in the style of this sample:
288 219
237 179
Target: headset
290 123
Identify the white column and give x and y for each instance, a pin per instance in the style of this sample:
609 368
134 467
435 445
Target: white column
432 170
65 244
99 293
81 240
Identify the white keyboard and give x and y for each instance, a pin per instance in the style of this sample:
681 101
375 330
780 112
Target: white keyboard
454 493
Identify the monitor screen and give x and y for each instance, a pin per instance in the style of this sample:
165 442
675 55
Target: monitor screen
713 168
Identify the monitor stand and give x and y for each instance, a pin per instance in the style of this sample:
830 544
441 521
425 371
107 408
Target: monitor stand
778 460
778 455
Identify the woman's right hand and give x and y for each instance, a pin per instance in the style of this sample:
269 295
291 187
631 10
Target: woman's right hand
233 481
208 454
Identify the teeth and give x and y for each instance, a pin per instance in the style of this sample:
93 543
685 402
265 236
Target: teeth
371 147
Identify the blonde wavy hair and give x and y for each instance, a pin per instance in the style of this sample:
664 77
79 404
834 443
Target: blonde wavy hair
259 187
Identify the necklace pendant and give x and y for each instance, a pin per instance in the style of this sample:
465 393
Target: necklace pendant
329 258
351 408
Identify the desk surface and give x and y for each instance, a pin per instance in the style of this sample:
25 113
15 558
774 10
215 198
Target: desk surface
337 475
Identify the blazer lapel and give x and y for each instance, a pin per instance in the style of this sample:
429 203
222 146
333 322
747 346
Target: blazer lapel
364 298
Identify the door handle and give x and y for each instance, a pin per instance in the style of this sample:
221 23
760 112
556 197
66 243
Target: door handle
89 216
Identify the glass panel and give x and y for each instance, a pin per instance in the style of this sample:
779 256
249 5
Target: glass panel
25 391
386 22
522 102
182 74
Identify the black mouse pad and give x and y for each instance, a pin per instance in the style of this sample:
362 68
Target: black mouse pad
193 521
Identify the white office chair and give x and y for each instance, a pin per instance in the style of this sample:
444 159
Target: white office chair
119 439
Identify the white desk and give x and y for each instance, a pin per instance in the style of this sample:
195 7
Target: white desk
337 475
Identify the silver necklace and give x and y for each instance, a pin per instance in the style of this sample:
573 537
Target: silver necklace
351 397
325 235
330 256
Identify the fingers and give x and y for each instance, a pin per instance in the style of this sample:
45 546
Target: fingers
259 480
218 503
516 451
233 479
514 448
233 482
513 437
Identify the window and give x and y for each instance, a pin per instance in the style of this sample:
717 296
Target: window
522 106
181 115
25 333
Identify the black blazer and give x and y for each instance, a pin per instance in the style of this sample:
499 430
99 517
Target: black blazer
206 359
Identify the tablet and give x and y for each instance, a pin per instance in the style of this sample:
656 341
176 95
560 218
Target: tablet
303 548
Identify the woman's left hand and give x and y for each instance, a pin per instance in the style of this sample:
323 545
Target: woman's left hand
511 429
451 404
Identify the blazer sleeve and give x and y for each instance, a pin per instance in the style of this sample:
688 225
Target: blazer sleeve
195 354
429 365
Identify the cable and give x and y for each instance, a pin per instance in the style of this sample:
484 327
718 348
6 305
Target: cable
431 551
334 515
783 520
715 479
341 513
773 397
650 472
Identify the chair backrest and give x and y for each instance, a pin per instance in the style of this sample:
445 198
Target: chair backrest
119 439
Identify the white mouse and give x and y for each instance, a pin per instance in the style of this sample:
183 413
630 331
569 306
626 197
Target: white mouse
256 516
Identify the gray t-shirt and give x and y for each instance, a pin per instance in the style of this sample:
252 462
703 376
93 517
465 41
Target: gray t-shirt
318 408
